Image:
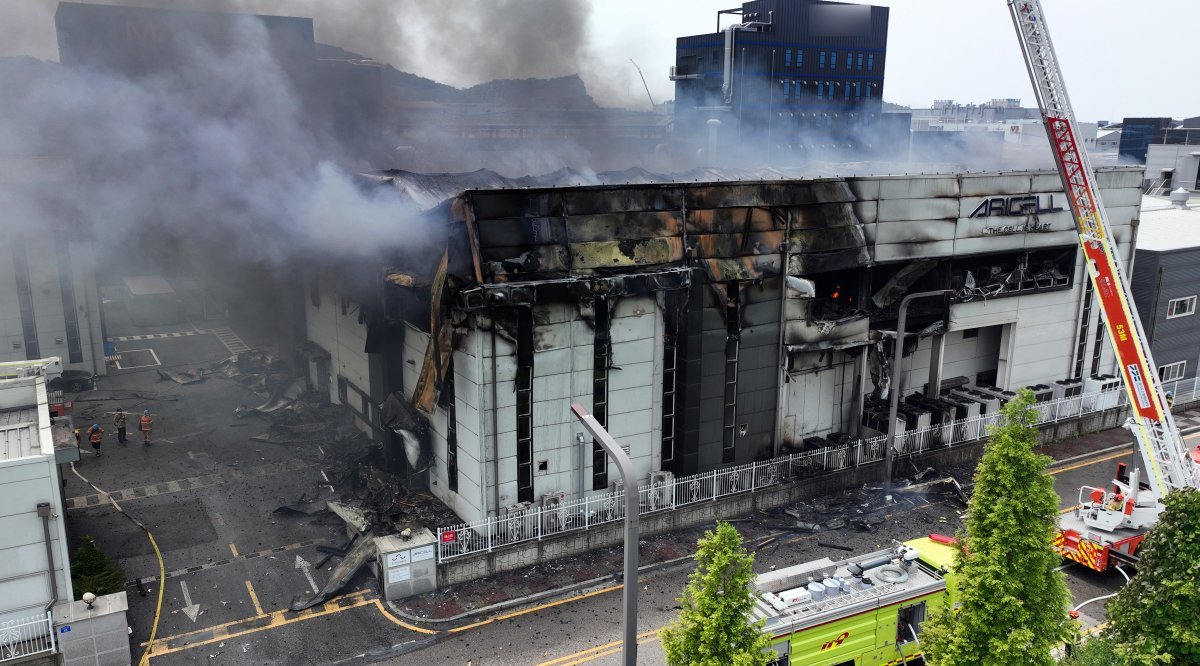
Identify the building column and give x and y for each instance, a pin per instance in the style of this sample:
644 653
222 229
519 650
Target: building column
937 349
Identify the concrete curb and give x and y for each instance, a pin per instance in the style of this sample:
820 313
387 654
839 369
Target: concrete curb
537 596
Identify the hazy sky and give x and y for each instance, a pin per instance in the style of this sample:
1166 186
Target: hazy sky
1118 57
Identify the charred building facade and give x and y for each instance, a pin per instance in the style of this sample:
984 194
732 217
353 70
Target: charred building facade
706 324
792 81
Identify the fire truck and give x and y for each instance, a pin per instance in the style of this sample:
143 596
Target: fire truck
1109 523
862 611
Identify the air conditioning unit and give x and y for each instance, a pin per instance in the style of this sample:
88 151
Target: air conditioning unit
662 489
554 512
1067 388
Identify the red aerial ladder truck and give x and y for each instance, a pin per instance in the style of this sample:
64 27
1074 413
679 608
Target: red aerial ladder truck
1110 524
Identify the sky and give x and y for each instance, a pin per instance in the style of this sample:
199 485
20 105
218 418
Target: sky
1116 56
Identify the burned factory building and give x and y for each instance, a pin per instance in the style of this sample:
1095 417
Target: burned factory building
706 324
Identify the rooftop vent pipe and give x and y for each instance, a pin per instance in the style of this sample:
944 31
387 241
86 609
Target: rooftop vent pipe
1179 198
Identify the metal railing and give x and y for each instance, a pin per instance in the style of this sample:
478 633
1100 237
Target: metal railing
26 637
536 522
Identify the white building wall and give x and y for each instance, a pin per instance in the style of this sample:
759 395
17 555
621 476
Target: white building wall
25 584
339 334
635 389
1183 159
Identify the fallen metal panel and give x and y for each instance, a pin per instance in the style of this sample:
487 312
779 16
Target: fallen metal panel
362 550
823 216
814 336
437 352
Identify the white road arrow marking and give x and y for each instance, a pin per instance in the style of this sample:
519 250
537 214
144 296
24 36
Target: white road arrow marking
189 609
304 566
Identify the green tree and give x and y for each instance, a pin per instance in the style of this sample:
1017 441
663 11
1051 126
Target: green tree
1013 604
714 628
1096 651
1153 619
93 571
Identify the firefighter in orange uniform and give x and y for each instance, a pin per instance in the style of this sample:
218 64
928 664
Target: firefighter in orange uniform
146 425
96 437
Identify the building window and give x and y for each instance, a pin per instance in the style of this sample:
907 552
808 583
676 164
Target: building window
787 89
799 57
1181 307
869 85
787 58
601 356
870 62
833 60
1172 372
716 57
25 301
821 60
524 405
820 89
846 90
970 333
66 282
849 61
860 60
451 428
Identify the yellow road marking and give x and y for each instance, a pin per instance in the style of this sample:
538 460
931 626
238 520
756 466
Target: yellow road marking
233 549
254 599
591 654
357 597
1068 468
401 623
535 609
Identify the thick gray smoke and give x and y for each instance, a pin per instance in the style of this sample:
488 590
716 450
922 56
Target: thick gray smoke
215 154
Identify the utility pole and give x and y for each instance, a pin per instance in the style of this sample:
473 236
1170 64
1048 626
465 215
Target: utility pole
625 465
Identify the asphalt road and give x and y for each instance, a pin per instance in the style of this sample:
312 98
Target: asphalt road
208 496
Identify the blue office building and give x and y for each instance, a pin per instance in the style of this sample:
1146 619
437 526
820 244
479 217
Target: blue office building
790 81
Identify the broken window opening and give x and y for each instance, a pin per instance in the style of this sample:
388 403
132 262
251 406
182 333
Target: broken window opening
524 405
733 340
995 275
451 428
601 357
836 297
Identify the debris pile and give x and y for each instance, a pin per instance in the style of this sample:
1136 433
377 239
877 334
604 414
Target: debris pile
183 377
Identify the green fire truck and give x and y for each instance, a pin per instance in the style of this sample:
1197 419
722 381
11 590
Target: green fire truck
861 611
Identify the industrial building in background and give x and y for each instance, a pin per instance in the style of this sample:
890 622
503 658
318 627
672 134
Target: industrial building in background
705 324
49 300
1166 285
787 83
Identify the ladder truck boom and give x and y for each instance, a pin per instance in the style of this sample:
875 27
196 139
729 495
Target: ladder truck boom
1110 524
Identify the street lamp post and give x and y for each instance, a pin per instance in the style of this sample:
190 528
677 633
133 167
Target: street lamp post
625 465
894 388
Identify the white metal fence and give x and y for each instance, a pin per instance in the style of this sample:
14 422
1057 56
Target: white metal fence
26 637
536 522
